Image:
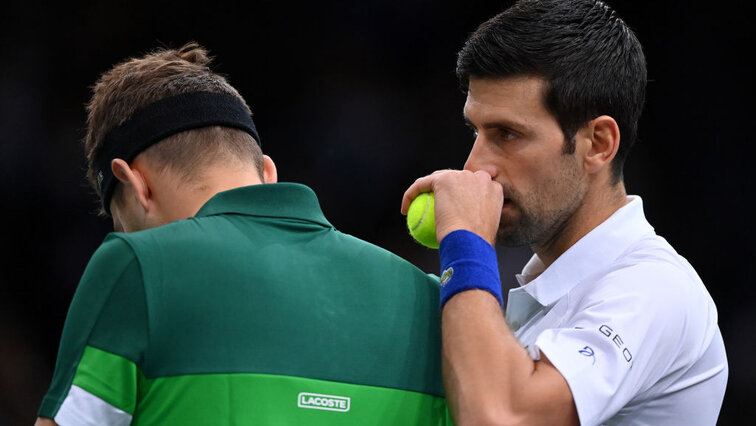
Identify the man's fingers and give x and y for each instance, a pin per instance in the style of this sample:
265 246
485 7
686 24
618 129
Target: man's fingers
423 184
428 184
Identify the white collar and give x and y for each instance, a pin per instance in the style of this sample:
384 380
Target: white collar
589 255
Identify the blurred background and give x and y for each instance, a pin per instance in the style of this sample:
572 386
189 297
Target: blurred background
356 100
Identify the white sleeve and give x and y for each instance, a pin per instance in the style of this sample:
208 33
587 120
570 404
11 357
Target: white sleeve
81 408
634 326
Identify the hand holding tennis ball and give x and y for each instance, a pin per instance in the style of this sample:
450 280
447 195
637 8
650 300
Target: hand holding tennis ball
421 220
450 200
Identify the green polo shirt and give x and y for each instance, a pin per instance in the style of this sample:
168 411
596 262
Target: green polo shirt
254 312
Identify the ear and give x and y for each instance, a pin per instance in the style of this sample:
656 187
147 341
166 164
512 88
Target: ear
604 137
270 174
133 178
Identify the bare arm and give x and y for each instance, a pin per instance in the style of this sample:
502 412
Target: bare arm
489 378
43 421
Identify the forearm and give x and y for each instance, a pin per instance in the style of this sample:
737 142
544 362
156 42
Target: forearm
491 379
481 359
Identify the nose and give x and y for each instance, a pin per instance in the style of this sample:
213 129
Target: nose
480 158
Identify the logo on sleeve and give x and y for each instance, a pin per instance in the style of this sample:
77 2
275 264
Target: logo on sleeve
588 351
323 402
617 340
447 275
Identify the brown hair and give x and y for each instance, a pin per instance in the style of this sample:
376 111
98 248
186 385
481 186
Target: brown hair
138 82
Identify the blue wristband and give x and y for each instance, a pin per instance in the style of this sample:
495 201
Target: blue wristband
468 262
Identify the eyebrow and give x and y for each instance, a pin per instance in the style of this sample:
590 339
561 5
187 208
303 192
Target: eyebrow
499 124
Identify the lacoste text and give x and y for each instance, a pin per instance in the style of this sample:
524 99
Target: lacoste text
323 402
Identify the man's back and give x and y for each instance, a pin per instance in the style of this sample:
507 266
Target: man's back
256 311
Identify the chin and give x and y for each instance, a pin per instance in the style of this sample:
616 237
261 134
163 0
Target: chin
514 235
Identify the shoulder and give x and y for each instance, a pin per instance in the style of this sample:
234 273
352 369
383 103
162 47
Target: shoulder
112 266
655 273
114 245
110 259
655 291
154 245
366 254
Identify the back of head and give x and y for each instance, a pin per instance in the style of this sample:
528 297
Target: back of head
139 82
591 62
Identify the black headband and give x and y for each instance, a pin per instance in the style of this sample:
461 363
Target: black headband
161 119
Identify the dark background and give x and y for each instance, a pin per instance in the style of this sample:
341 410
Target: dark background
356 100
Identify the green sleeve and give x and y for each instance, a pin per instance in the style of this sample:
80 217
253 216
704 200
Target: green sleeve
106 326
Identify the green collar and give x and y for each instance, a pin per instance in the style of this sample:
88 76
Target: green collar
280 200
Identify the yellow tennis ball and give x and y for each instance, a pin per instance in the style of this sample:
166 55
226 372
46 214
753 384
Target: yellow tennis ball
421 220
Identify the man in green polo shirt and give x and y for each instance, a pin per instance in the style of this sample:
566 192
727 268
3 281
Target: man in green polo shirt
228 298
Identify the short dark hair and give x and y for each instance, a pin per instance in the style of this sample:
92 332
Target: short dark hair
162 73
591 62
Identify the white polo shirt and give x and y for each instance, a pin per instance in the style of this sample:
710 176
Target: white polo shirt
628 323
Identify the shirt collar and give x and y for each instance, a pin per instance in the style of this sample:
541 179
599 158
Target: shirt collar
280 200
601 246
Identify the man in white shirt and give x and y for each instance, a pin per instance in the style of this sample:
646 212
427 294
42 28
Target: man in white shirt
611 325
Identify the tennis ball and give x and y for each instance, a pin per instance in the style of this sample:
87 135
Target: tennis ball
421 220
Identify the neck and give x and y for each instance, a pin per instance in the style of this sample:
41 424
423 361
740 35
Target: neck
183 200
595 208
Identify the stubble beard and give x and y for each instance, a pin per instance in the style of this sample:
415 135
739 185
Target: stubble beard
544 212
534 227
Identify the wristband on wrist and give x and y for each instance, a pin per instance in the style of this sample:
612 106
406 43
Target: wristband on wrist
468 262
